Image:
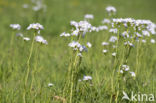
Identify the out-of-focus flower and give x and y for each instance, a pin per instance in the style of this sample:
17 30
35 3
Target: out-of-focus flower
106 21
41 40
145 33
89 16
143 41
25 6
152 41
115 31
113 39
89 44
85 78
105 43
104 51
19 35
15 26
128 43
114 54
26 38
132 74
50 84
65 34
111 10
35 26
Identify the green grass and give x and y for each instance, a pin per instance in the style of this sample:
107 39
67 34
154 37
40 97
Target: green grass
52 61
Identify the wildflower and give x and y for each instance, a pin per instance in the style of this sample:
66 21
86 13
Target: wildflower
102 27
84 26
35 26
40 39
65 34
50 85
110 9
89 16
132 74
114 54
19 34
74 23
89 44
143 41
152 41
74 44
79 54
115 31
125 34
106 21
75 32
145 33
138 34
25 6
113 39
105 43
128 43
15 26
104 51
26 38
125 67
121 71
85 78
114 46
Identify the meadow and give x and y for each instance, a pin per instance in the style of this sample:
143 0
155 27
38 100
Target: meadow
77 51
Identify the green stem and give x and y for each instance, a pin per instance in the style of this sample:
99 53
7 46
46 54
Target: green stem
28 66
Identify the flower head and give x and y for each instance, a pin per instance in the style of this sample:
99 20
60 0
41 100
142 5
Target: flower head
15 26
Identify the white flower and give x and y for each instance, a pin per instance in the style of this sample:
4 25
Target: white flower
113 39
106 21
89 44
121 71
50 85
138 34
110 9
102 27
74 23
65 34
104 51
128 43
115 31
89 16
105 43
145 33
25 6
15 26
143 41
114 54
74 44
125 34
19 34
79 54
132 74
75 32
40 39
26 38
85 78
152 41
84 26
35 26
125 67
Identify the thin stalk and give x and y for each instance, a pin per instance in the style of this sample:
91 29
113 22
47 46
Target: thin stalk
28 67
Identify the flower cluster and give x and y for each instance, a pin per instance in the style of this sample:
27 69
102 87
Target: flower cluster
89 16
125 69
111 10
15 26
